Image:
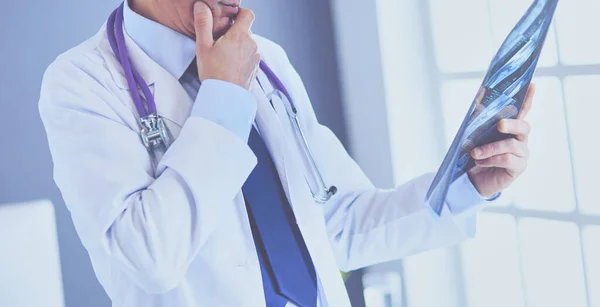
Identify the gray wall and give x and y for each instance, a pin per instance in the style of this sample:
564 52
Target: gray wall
33 33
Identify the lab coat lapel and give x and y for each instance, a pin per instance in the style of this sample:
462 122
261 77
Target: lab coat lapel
271 133
172 101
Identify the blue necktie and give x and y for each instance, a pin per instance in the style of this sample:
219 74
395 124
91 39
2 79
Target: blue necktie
288 273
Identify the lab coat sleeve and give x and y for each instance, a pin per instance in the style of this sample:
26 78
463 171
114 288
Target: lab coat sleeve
367 225
149 227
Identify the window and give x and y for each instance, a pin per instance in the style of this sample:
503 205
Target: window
540 246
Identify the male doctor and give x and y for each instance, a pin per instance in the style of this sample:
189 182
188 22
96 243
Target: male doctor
224 217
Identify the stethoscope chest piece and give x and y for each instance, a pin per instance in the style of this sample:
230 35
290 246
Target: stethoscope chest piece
154 132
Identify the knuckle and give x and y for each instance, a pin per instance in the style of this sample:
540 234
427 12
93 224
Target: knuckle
249 41
514 144
485 162
526 127
246 15
519 148
256 58
490 148
250 44
247 38
201 21
251 15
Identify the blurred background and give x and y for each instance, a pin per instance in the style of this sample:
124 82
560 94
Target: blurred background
393 79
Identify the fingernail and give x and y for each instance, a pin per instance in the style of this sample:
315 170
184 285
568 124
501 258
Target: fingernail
199 7
478 152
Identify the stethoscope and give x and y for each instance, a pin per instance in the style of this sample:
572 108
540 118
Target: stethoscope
154 133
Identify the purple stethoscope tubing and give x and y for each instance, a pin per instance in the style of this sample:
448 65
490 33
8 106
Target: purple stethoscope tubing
154 131
134 79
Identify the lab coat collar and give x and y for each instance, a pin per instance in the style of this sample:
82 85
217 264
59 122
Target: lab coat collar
147 68
172 101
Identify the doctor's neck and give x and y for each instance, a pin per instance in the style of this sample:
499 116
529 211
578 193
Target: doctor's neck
178 14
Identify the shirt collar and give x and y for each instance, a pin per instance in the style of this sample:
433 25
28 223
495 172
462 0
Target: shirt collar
167 47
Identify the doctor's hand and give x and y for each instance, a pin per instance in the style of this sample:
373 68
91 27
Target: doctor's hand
234 56
498 164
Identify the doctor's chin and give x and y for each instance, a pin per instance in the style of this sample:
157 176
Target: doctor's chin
192 153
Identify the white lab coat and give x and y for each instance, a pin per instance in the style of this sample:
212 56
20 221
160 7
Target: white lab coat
175 232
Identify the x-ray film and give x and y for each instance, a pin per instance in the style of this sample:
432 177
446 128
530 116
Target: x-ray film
500 96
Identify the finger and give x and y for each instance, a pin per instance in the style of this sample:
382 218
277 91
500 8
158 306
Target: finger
203 25
528 102
517 127
509 162
243 21
508 146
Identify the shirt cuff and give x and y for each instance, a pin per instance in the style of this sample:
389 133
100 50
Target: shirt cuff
463 196
227 105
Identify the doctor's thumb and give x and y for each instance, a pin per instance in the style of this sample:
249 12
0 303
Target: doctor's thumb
203 24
